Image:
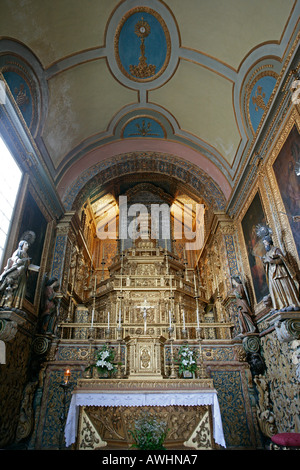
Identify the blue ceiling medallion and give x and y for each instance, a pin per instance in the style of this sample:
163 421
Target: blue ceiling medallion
142 45
259 97
143 126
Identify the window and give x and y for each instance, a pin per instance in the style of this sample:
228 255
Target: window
10 178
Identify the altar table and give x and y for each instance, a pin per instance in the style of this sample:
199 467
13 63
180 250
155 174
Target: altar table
143 398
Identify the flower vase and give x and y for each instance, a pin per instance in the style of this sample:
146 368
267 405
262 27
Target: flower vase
186 374
100 375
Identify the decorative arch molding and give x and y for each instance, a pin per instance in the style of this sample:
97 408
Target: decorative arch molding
103 172
25 77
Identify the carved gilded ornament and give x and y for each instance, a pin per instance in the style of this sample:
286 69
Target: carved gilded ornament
295 89
265 415
282 383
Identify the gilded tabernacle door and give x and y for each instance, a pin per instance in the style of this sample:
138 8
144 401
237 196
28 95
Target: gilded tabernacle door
146 356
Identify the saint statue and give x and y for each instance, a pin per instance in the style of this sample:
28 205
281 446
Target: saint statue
281 278
49 306
14 277
245 314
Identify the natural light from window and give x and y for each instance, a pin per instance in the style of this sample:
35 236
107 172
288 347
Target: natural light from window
10 178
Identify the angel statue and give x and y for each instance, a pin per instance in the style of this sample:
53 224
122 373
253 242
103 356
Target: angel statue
243 304
14 277
281 278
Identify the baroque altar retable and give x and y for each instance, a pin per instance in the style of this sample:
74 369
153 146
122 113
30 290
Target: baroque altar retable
145 309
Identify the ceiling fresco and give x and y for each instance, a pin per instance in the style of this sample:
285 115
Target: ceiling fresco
107 78
142 45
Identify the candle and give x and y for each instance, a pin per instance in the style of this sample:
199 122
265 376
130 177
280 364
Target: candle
170 318
67 376
195 286
93 314
108 320
120 318
197 317
183 318
145 319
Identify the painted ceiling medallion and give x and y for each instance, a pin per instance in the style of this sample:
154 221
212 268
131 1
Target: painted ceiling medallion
142 45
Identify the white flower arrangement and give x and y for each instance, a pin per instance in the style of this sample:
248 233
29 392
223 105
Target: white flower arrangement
187 359
104 360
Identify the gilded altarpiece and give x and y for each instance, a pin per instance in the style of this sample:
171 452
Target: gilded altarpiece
147 272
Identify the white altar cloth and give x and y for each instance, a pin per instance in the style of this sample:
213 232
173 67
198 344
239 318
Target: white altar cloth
138 398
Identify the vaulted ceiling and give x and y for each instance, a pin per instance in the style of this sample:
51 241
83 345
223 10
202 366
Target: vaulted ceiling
191 81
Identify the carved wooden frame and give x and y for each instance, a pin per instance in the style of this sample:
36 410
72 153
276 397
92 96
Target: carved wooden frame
27 187
243 256
281 221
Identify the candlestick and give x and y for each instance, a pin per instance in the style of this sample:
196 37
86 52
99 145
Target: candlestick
170 318
67 376
195 286
203 373
63 416
173 373
145 322
119 318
